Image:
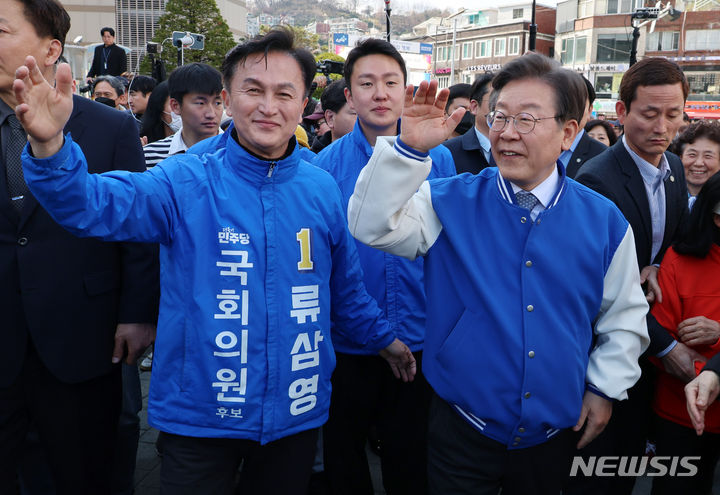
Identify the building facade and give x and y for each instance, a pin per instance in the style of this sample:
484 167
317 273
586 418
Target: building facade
594 37
135 21
472 42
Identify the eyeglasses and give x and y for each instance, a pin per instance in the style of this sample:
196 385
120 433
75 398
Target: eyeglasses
523 122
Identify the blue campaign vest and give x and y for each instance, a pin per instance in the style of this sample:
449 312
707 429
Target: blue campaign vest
252 253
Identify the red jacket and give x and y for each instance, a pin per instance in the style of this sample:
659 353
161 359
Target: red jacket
690 287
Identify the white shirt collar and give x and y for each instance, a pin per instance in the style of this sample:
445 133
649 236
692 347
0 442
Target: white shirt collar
484 141
177 145
544 191
649 172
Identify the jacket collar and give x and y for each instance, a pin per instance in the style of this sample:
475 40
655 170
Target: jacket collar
357 137
258 170
506 187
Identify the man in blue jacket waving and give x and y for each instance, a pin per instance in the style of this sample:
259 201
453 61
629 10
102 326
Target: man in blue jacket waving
253 247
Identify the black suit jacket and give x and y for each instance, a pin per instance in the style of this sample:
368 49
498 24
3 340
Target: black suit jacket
65 293
615 175
586 149
116 62
467 153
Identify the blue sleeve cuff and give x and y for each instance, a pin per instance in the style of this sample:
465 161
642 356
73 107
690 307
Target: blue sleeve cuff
409 152
666 350
592 388
53 162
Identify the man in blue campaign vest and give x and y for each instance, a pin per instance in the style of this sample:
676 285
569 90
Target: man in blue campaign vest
364 393
253 247
536 317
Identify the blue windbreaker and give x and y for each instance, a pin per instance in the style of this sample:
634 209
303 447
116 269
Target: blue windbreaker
396 283
252 253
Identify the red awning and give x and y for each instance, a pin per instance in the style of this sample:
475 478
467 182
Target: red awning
702 114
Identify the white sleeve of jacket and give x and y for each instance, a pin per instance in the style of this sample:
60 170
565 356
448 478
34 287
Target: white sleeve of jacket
620 327
391 208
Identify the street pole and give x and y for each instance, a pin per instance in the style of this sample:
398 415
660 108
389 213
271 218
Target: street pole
533 30
634 46
180 53
452 55
387 18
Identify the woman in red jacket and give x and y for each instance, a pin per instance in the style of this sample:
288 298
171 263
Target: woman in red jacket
690 309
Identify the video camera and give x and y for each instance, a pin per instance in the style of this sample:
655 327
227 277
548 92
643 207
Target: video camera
328 67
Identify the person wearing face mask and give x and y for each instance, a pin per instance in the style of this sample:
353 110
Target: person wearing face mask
195 110
110 91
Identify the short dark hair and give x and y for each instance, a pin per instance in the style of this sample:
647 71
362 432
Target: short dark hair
107 29
590 90
333 98
278 39
113 81
194 78
609 129
570 92
459 90
481 86
143 84
701 232
709 129
48 17
372 46
653 71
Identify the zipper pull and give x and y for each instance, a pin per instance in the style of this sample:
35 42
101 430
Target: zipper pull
272 167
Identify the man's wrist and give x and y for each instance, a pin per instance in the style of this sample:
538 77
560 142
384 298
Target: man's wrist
47 148
410 150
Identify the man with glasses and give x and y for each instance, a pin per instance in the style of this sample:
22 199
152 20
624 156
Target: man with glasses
471 151
531 333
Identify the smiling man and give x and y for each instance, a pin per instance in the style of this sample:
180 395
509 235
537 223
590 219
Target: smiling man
509 365
254 246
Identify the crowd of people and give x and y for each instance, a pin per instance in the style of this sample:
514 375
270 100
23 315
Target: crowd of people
483 282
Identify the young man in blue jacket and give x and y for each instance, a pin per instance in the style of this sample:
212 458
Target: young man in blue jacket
364 392
536 317
254 246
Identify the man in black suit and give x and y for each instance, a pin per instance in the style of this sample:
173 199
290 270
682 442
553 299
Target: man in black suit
72 308
471 151
648 185
108 59
584 147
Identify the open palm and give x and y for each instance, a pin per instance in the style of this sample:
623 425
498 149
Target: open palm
424 124
42 109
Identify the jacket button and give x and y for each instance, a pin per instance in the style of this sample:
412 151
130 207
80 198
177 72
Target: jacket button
521 429
530 307
523 220
578 160
528 263
22 241
531 354
517 439
515 444
527 395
